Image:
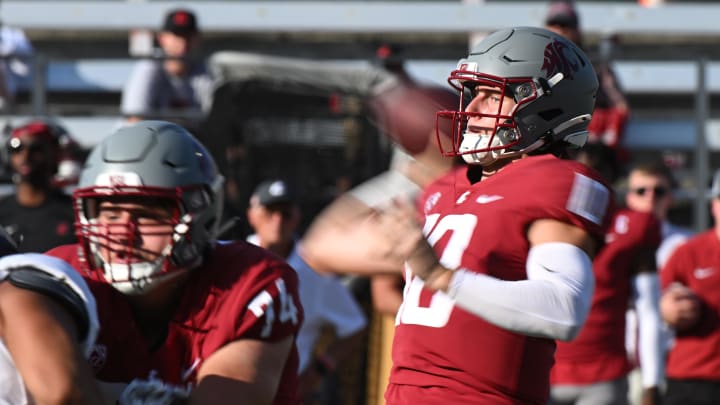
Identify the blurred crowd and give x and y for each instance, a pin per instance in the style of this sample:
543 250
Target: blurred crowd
217 246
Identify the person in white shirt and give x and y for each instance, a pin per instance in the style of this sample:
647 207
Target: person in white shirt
274 215
175 86
16 52
650 187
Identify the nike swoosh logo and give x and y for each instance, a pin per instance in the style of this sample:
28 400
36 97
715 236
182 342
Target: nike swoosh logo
549 270
485 199
703 273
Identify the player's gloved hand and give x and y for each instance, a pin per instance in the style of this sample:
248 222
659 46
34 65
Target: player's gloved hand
153 391
401 224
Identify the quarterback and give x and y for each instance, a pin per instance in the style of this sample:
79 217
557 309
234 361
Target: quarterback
502 266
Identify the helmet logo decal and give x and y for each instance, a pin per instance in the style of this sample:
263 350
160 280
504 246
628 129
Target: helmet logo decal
118 179
556 60
465 66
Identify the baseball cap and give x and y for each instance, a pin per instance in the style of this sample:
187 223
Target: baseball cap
274 191
562 13
180 22
38 131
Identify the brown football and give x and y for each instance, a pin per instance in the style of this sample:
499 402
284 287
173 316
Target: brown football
406 113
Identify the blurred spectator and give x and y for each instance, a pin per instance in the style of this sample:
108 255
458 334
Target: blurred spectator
15 63
176 84
650 188
274 215
390 57
38 214
690 305
593 368
611 108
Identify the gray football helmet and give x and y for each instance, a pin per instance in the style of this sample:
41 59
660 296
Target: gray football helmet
549 77
163 162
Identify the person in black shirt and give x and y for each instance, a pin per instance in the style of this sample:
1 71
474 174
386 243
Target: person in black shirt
38 214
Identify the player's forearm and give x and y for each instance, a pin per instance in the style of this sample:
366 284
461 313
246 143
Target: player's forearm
337 242
77 387
647 296
60 374
245 370
553 302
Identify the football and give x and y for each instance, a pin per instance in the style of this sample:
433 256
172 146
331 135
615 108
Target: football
406 113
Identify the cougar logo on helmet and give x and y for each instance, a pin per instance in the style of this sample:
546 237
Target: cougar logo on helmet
556 60
117 180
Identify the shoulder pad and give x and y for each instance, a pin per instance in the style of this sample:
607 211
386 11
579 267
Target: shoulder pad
56 279
33 279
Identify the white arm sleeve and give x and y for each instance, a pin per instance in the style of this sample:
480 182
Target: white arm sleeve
646 293
553 302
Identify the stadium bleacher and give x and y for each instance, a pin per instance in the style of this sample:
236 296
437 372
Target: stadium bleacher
85 46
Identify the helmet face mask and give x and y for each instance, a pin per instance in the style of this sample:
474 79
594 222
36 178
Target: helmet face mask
550 80
505 137
168 187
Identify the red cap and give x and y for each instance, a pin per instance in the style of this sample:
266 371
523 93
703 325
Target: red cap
181 22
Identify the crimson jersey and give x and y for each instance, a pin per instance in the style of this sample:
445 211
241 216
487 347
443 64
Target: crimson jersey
696 264
598 353
241 292
445 355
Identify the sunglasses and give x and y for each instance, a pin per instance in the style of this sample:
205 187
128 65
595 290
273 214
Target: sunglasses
658 191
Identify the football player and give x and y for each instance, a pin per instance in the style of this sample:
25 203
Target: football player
183 315
502 266
690 305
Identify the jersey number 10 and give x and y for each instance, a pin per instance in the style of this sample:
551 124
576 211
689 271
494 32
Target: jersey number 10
437 313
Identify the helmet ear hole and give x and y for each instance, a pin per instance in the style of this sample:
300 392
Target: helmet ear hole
549 115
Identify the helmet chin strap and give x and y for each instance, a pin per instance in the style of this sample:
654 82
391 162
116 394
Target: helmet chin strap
136 278
472 141
145 285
